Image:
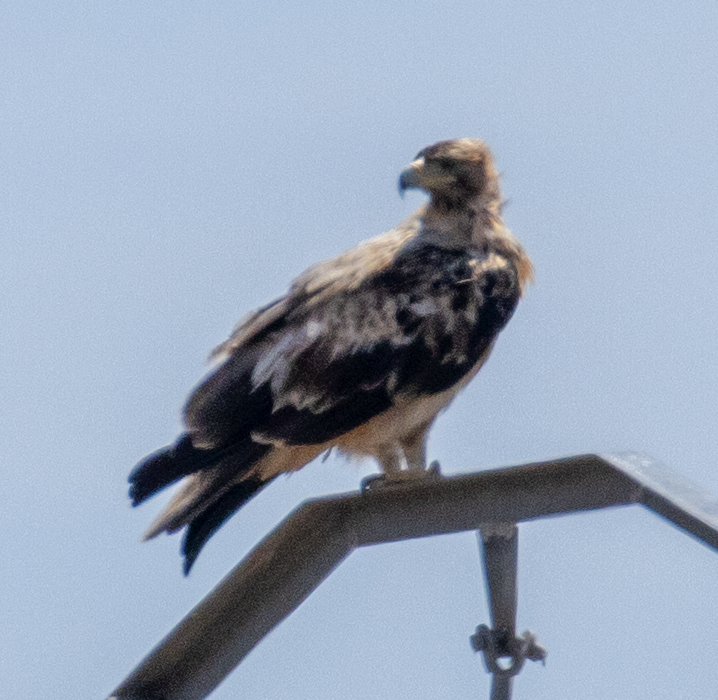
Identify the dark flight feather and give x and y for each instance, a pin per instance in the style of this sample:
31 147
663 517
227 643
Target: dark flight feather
429 319
204 525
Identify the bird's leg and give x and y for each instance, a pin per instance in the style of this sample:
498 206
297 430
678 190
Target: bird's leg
390 462
415 453
414 448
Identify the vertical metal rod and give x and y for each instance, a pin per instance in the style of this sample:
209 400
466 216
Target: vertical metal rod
501 687
499 548
499 544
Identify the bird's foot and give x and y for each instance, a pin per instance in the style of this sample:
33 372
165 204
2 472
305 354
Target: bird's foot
373 481
396 478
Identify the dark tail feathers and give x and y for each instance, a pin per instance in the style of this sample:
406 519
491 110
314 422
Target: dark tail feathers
168 465
202 514
210 520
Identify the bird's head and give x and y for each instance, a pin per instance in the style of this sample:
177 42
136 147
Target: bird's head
453 173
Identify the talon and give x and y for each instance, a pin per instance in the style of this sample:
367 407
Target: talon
372 481
396 478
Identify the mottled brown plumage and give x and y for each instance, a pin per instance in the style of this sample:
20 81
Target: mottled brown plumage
361 354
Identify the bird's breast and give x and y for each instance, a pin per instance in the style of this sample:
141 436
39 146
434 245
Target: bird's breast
409 414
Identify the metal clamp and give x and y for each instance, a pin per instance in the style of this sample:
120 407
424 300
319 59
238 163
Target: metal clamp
495 645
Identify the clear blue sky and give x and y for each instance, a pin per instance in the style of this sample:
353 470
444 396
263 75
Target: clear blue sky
166 167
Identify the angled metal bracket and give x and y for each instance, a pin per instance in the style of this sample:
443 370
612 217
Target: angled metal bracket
277 576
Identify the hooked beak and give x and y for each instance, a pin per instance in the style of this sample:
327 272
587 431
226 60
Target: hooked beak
411 177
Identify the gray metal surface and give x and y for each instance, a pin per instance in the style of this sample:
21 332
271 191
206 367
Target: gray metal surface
499 545
292 561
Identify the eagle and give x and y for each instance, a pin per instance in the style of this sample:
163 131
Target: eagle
361 354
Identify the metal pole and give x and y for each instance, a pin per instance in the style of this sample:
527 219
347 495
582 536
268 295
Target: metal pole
499 545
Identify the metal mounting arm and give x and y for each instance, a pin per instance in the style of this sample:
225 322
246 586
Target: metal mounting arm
276 577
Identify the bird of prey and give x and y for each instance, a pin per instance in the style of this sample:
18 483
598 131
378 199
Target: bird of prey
360 355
